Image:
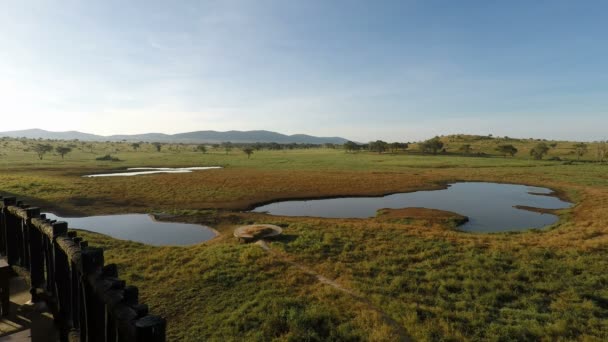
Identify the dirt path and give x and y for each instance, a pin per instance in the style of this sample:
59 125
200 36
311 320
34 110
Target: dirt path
403 334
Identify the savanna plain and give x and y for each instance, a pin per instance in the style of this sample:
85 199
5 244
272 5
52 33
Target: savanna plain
408 276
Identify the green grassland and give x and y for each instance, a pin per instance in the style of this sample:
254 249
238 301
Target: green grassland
388 279
267 176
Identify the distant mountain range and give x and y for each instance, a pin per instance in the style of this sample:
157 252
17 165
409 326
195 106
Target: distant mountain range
190 137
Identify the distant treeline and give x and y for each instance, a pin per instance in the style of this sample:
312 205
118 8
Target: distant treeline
461 144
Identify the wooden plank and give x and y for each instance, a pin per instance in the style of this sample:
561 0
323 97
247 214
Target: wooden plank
21 336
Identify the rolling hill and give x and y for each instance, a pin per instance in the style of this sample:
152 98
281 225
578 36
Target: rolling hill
189 137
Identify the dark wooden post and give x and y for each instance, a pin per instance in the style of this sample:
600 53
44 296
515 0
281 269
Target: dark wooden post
24 244
10 224
5 303
58 229
93 327
2 229
74 288
36 256
76 291
111 329
62 290
150 329
47 253
8 201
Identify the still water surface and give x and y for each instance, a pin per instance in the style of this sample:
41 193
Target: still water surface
489 206
137 171
141 228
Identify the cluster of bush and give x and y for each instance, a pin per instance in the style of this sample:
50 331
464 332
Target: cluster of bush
108 157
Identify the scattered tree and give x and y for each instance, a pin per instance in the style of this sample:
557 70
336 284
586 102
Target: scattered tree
466 148
227 146
602 151
248 151
158 146
201 148
398 146
135 146
507 150
350 146
378 146
274 146
42 149
580 149
63 150
539 151
432 145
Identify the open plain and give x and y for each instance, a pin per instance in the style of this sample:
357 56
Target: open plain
382 278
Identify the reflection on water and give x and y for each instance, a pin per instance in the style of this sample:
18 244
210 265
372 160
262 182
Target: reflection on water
136 171
489 206
141 228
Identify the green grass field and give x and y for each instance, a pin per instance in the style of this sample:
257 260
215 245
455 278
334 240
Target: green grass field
388 280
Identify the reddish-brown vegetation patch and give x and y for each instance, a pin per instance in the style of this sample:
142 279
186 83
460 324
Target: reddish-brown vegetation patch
433 216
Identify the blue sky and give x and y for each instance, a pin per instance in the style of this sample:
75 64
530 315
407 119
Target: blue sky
393 70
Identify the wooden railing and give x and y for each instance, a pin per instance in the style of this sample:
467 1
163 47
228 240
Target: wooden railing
88 301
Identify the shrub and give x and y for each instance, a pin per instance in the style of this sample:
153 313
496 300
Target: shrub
108 157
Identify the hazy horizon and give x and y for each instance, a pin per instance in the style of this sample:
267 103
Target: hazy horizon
391 70
403 139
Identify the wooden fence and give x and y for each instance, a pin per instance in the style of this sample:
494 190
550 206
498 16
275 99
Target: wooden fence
88 301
